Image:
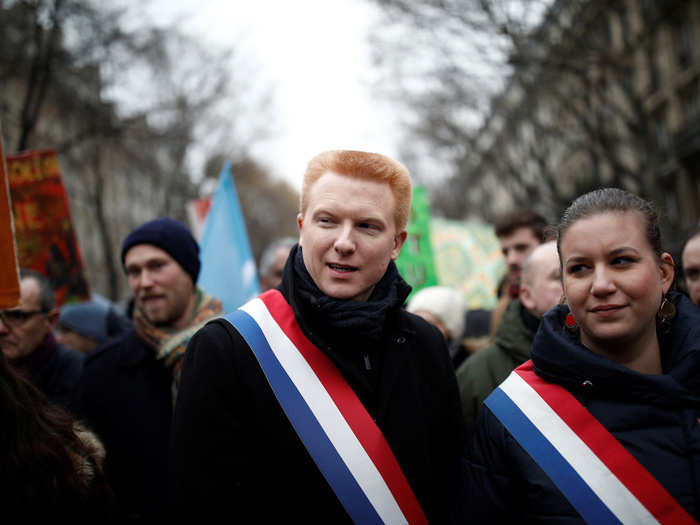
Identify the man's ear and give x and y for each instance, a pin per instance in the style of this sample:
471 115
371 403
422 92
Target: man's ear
300 221
52 318
668 271
525 296
398 243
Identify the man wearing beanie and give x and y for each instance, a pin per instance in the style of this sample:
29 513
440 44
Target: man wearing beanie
129 386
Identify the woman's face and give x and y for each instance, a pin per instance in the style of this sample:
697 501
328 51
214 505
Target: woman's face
613 281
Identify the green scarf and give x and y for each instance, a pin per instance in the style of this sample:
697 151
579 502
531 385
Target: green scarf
170 344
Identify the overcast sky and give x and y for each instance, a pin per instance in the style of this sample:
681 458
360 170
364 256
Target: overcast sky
314 55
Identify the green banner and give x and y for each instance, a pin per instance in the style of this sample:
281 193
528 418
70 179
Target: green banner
464 255
415 262
468 257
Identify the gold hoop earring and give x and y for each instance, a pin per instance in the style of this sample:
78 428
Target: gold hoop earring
666 314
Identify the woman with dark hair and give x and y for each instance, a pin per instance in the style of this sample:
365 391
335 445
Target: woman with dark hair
602 424
50 465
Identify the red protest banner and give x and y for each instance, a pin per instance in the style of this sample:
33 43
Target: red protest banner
9 279
44 232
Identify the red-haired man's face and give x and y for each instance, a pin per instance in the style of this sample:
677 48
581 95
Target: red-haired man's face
348 235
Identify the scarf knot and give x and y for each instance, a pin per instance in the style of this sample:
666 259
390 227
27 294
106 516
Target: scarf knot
348 319
169 344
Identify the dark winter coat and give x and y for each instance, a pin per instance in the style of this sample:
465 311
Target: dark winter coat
56 371
655 417
125 397
489 367
235 452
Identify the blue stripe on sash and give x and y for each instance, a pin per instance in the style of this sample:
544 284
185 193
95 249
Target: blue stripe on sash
305 423
579 494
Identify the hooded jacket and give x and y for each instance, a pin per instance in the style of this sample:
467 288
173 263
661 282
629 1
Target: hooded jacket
655 417
488 367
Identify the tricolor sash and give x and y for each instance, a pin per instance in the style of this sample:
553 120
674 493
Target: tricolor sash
598 476
344 441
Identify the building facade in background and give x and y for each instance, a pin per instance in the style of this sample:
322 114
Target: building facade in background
606 92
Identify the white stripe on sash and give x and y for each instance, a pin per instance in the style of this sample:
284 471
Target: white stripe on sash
592 470
327 414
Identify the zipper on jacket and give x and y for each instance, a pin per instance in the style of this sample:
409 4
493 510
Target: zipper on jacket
368 364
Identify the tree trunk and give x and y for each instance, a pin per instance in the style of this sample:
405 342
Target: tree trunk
98 193
39 76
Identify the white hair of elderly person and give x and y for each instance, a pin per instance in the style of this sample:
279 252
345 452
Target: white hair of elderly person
443 306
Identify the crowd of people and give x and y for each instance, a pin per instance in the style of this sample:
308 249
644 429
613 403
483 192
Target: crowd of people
338 395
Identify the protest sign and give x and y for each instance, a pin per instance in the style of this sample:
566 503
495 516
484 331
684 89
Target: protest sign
464 255
468 257
415 262
9 278
44 232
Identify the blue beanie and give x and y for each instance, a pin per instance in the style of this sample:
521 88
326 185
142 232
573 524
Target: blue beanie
88 319
171 236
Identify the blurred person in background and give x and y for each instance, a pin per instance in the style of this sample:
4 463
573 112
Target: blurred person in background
691 265
518 233
477 329
82 326
86 325
28 343
272 262
445 308
540 290
129 386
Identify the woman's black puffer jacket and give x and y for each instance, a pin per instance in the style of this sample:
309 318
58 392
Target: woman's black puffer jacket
655 417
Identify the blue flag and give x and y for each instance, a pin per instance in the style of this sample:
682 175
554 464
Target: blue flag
228 268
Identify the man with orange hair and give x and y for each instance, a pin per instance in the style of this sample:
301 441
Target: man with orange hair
324 400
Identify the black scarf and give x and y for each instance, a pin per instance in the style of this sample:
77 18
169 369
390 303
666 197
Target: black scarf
30 365
347 319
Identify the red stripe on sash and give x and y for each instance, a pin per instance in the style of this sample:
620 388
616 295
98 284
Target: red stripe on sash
350 406
628 470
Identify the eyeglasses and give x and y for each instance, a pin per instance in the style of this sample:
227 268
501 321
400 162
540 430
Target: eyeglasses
13 318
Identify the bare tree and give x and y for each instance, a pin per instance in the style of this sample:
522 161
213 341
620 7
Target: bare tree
444 60
68 66
568 84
